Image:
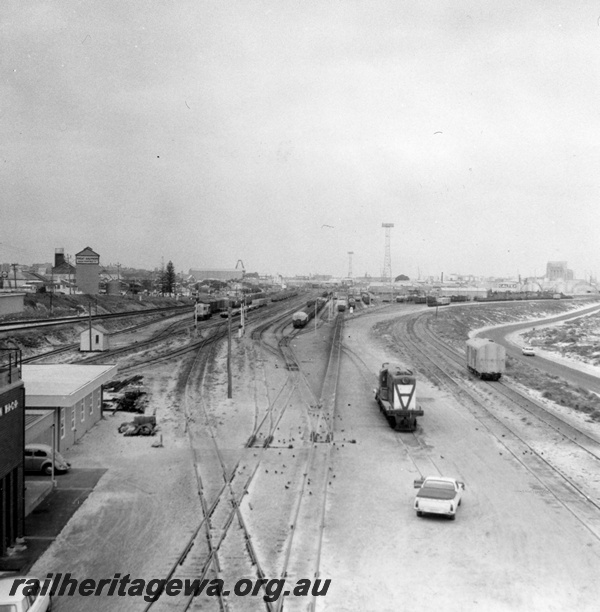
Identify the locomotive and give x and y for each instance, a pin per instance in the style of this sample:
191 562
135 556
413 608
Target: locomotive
396 396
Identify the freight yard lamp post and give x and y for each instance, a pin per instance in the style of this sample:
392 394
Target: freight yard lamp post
229 385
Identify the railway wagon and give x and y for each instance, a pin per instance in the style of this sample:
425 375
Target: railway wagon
342 304
302 317
258 303
366 298
485 358
440 301
202 311
283 295
396 396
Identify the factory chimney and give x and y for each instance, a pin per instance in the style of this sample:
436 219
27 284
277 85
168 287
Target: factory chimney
59 257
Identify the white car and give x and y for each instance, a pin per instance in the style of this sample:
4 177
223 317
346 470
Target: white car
528 350
31 600
438 495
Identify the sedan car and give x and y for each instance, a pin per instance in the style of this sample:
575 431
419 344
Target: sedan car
17 594
528 350
438 495
38 458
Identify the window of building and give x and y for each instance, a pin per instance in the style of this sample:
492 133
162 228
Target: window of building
73 417
62 423
91 402
82 411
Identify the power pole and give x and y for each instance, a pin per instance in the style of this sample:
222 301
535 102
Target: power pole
350 253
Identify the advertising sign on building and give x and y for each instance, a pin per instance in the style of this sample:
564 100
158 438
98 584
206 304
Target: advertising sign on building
87 259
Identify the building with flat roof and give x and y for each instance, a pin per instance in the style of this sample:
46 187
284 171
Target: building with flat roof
73 392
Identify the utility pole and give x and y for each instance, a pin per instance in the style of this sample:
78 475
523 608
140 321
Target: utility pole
350 253
90 321
14 266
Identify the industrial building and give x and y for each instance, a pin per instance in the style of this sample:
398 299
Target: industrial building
88 271
557 270
12 442
220 275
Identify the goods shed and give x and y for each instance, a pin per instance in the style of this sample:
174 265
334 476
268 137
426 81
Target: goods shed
73 392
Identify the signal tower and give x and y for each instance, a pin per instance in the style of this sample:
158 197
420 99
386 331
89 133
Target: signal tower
350 253
387 260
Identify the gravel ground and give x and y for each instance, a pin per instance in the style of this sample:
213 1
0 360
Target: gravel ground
512 546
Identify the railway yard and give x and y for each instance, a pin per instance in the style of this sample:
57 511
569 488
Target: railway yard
274 463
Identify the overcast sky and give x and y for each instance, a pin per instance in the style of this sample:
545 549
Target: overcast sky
284 133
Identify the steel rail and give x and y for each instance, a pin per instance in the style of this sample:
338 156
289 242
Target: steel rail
457 388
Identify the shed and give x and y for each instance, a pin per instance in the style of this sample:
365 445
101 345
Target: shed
94 338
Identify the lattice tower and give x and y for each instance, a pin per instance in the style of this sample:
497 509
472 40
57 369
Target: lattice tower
387 259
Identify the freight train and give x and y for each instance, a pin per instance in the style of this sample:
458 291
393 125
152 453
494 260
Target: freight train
202 311
485 358
207 305
302 317
396 396
439 301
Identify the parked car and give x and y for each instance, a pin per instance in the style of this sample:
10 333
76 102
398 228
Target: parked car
38 458
438 495
528 350
19 602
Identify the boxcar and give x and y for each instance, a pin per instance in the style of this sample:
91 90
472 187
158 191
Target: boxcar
485 358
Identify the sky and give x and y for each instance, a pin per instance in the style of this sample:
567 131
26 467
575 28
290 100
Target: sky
284 133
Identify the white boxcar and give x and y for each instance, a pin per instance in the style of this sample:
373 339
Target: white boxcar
485 358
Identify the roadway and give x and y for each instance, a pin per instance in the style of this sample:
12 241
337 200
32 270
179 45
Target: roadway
576 377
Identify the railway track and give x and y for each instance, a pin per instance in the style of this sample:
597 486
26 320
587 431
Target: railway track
49 322
222 525
221 545
580 499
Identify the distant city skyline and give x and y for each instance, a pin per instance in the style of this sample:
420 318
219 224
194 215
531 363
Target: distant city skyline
284 134
448 276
